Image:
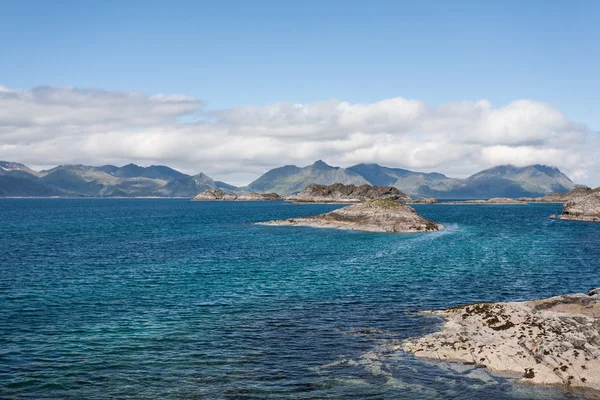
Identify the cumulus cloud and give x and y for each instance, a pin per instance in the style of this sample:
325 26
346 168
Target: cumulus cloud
48 126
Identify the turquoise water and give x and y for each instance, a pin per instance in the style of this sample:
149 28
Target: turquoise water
173 299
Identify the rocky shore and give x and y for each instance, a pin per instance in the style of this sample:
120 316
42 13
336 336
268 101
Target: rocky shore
378 215
340 193
219 195
551 341
582 208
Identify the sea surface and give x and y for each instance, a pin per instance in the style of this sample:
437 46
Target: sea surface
174 299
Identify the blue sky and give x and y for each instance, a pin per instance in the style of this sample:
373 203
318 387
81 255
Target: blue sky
233 53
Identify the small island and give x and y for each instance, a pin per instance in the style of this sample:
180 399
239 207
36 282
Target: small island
219 195
549 341
495 200
378 215
340 193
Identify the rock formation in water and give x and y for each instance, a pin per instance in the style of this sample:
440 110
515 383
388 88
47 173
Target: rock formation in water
214 194
252 196
496 200
582 208
218 194
424 200
550 341
378 215
564 197
340 193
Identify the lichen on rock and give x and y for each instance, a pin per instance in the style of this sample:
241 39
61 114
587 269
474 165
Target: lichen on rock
549 341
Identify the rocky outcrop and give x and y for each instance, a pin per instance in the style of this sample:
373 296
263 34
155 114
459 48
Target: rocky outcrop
496 200
258 197
550 341
564 197
218 194
379 215
340 193
582 208
214 194
424 200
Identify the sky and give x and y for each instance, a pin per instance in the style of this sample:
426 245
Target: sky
233 88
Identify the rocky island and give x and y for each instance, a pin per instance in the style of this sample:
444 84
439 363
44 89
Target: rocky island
423 200
340 193
582 208
219 195
495 200
378 215
549 341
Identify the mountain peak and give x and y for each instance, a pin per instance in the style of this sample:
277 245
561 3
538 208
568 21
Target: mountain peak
320 164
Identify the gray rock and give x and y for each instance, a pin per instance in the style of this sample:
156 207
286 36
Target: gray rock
582 208
378 215
550 341
340 193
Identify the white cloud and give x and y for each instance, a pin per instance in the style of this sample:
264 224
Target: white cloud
49 126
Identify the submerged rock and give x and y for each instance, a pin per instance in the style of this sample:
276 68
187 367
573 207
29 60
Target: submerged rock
378 215
340 193
550 341
582 208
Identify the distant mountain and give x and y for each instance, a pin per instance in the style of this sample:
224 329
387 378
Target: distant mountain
15 169
151 172
160 181
291 179
535 179
190 186
502 181
106 181
409 182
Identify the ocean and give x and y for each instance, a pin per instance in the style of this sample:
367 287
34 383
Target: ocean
174 299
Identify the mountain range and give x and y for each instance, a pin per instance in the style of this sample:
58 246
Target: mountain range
18 180
501 181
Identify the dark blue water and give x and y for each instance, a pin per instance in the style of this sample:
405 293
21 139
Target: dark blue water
172 299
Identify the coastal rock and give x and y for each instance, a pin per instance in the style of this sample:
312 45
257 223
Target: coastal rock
218 194
424 200
214 194
340 193
378 215
549 341
582 208
495 200
573 194
252 196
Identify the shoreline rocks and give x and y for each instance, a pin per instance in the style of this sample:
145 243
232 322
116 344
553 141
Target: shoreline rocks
378 215
583 208
340 193
553 341
219 195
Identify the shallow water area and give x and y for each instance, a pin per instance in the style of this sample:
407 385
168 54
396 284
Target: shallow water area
171 299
